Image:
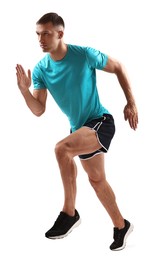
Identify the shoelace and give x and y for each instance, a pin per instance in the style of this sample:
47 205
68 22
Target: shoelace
62 220
117 236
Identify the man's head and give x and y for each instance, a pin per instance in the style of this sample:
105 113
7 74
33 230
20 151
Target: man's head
50 31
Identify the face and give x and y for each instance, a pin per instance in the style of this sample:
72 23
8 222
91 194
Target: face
49 36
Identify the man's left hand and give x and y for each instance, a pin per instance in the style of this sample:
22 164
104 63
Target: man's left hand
131 114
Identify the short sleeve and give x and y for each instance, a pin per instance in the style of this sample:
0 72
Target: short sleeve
37 78
96 59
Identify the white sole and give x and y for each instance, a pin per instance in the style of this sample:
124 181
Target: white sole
125 238
69 231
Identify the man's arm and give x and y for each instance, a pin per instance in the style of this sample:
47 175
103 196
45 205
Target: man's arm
130 110
36 101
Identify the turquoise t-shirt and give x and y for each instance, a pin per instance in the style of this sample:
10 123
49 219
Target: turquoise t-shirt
72 83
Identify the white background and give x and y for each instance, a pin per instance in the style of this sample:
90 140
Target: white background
31 192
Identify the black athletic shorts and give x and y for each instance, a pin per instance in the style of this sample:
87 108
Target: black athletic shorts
105 130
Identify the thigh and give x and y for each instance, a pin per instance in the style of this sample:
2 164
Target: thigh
81 141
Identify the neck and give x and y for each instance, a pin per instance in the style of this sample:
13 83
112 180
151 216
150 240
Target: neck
60 53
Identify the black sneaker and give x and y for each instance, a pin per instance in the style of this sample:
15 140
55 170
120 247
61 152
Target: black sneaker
63 225
120 236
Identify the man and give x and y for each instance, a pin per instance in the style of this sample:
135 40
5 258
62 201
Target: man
68 72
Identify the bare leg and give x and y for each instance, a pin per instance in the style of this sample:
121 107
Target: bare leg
95 170
81 142
68 172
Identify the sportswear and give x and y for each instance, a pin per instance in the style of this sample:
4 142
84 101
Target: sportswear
120 236
104 128
72 83
63 225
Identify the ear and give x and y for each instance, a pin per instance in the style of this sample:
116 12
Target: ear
60 33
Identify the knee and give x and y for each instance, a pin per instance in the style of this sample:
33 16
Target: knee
96 181
61 151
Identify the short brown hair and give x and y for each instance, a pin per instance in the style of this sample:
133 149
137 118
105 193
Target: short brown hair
54 18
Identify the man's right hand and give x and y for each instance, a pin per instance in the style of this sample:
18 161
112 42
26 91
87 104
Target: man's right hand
23 80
